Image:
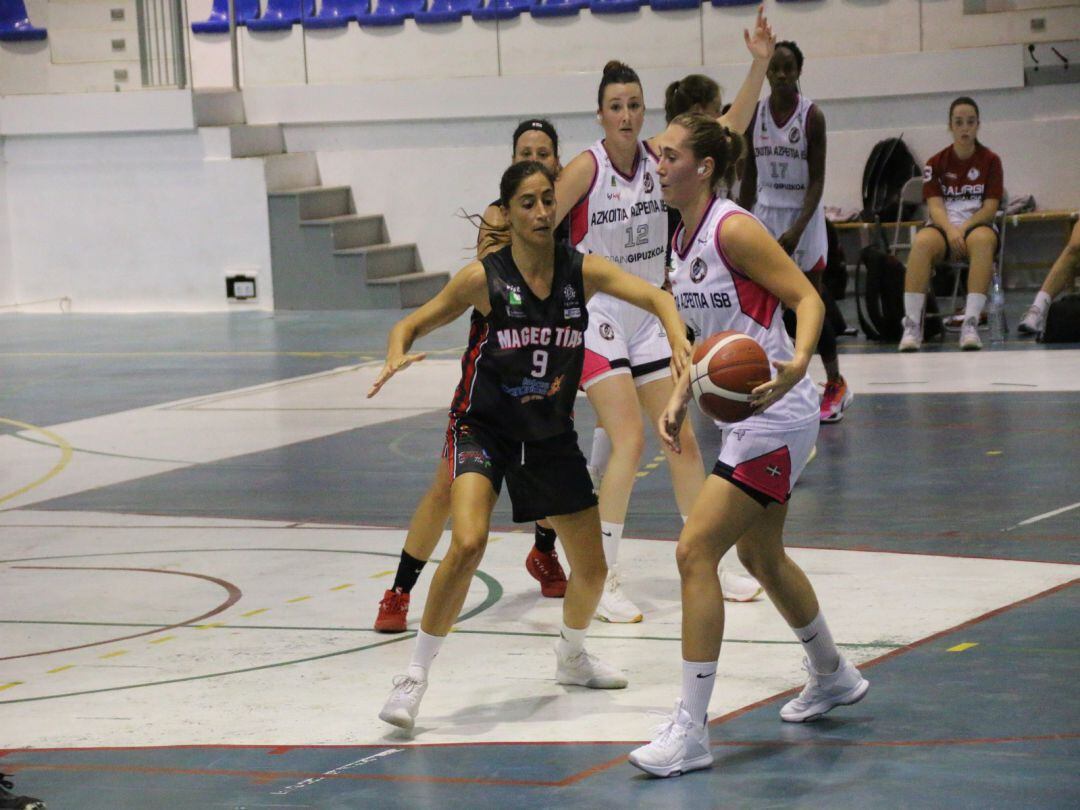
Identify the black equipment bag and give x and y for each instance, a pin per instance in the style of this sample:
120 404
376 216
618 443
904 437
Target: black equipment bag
1063 321
889 166
879 296
835 277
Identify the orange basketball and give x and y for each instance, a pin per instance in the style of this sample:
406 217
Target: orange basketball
727 367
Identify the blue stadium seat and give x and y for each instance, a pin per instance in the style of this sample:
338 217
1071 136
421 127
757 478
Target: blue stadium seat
673 5
336 13
218 21
558 8
503 9
446 11
281 15
390 12
15 25
614 6
721 3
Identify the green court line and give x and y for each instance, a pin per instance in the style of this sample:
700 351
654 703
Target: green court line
494 594
875 645
103 453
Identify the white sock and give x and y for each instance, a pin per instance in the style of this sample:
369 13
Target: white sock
611 534
1042 303
601 450
571 641
698 679
974 306
424 652
819 646
913 306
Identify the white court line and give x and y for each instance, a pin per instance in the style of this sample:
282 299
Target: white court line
1044 515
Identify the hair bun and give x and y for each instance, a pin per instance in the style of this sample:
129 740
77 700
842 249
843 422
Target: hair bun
613 66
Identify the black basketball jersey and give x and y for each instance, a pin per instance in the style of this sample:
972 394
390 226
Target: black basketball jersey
521 370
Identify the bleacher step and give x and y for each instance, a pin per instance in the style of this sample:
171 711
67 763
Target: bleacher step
385 261
414 289
353 230
319 202
218 108
291 170
256 140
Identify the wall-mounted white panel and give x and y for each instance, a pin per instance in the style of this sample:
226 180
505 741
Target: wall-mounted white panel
273 57
945 26
113 15
97 112
24 67
409 51
645 39
81 45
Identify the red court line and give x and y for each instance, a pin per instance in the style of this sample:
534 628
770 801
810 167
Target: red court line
894 743
233 592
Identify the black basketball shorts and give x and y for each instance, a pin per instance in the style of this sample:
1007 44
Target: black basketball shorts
544 477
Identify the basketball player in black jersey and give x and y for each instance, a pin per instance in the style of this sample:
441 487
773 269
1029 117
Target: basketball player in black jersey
512 418
534 139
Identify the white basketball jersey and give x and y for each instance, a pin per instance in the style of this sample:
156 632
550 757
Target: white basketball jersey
783 172
622 217
713 296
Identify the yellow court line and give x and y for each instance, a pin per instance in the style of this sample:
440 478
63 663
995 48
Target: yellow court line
251 613
60 669
381 574
116 654
4 686
297 599
162 640
346 585
208 626
967 645
59 441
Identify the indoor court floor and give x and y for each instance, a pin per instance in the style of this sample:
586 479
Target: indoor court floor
199 515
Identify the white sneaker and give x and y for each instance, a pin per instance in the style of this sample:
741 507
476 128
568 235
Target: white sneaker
738 587
404 702
911 340
1032 323
825 692
614 607
584 669
969 335
679 745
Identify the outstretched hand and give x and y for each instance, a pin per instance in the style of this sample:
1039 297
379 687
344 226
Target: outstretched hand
391 368
762 42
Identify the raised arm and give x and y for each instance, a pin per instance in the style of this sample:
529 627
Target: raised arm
761 45
468 288
601 275
748 181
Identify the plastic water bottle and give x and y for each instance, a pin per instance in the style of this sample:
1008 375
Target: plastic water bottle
997 310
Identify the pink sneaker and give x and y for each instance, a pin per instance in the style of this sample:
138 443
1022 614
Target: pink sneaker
835 400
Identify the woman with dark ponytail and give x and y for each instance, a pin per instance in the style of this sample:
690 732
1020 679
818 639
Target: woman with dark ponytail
729 273
512 418
611 195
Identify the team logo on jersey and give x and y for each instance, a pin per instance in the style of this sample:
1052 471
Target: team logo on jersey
477 457
794 135
698 270
513 296
648 183
973 174
739 433
556 385
569 294
514 302
606 332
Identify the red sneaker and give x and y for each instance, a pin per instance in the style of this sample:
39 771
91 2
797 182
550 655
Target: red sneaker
835 400
546 570
393 612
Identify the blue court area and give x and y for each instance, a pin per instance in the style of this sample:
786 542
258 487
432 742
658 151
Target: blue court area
198 514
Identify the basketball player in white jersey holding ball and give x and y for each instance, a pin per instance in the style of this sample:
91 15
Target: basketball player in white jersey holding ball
782 185
729 273
612 196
